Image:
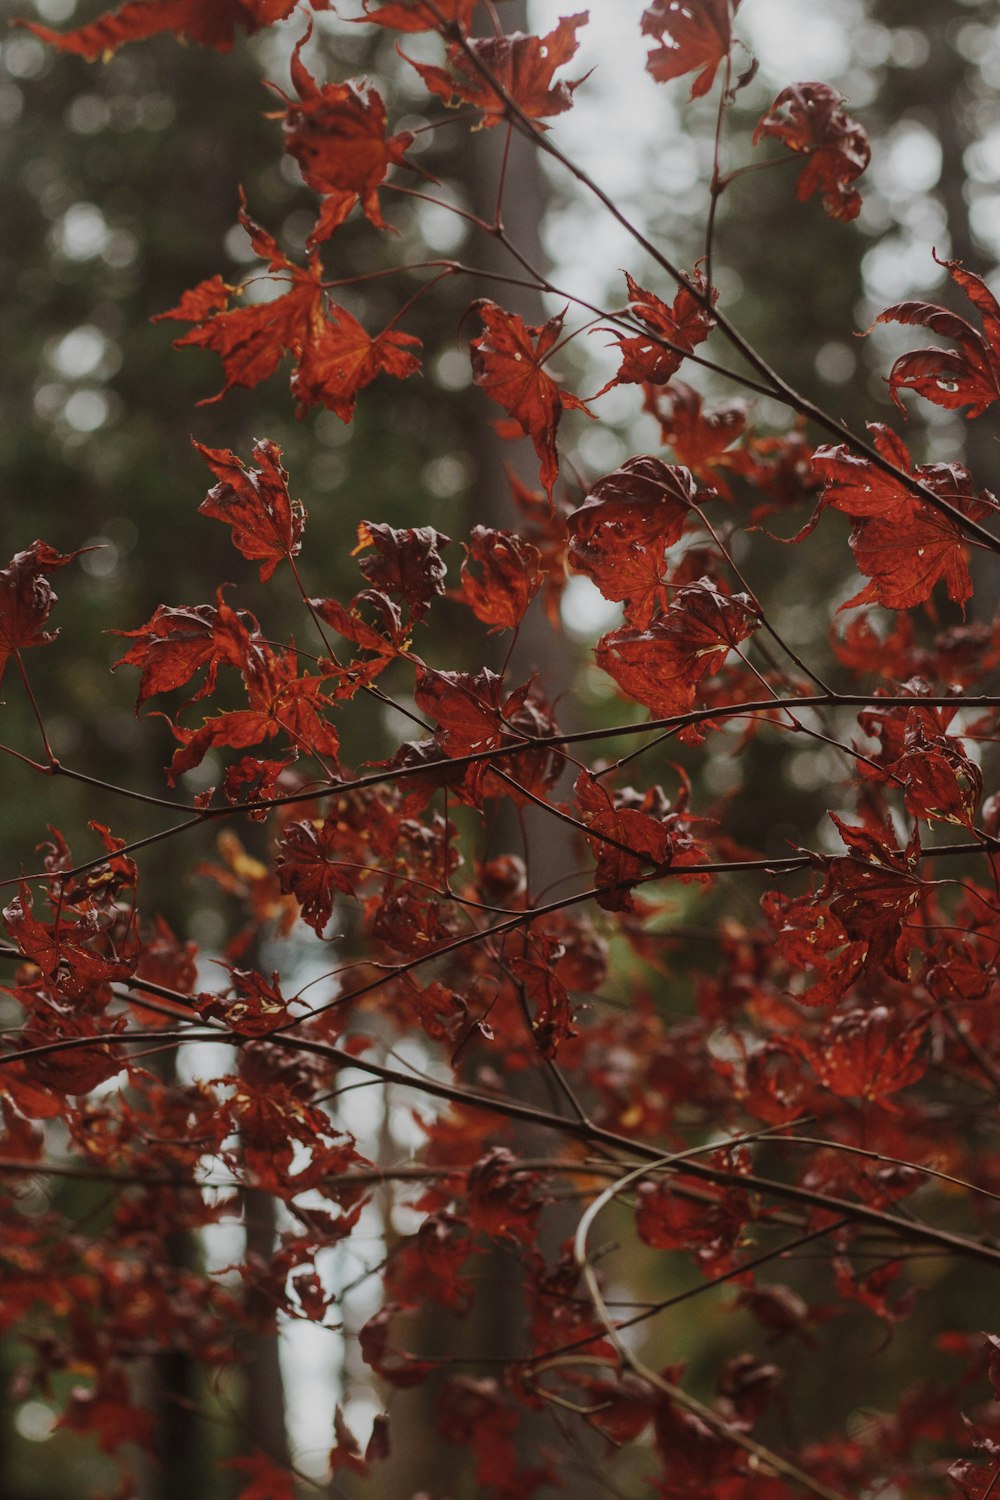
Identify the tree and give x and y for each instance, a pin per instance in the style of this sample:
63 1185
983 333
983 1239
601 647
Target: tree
766 1077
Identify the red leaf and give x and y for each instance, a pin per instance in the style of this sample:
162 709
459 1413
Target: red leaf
306 869
813 942
808 119
108 1413
406 562
618 536
551 1012
968 375
212 23
266 522
872 890
510 577
646 840
673 332
666 1221
172 646
523 67
507 362
866 1054
427 1266
700 435
337 134
941 783
27 597
342 358
504 1199
280 703
387 635
251 780
903 544
693 34
255 1009
661 666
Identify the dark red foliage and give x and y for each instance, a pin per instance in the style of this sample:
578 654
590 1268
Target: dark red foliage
27 597
809 120
511 1018
211 23
967 375
692 34
515 67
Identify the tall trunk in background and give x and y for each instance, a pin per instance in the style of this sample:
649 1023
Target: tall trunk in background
264 1391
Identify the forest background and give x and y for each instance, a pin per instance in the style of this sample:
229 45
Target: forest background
118 191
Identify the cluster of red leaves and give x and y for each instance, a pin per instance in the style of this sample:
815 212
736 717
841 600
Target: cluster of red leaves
334 357
861 998
210 23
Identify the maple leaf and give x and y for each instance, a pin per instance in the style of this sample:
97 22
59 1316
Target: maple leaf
280 701
674 331
809 120
968 375
306 869
507 361
212 23
77 957
266 522
522 66
813 941
387 636
872 891
334 356
628 841
177 641
342 358
504 1198
251 780
666 1221
474 1413
107 1412
940 782
619 535
903 544
661 666
508 579
865 1054
427 1266
693 34
407 561
255 1008
346 1452
337 134
543 524
701 436
27 597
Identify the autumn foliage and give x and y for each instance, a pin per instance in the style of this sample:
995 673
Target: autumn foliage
816 1114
